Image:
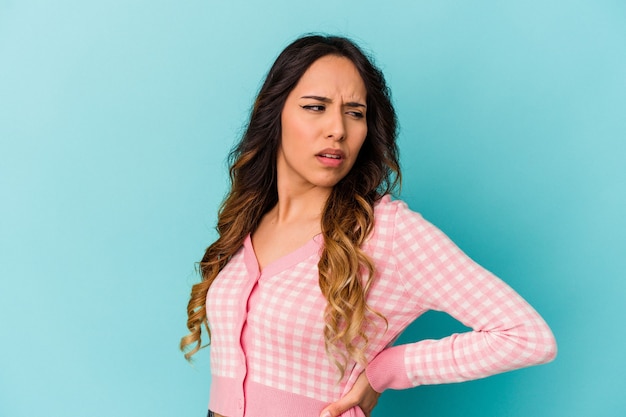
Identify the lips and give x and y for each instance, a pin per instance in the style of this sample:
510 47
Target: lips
332 154
331 158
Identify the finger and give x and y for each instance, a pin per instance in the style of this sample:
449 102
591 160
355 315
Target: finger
337 408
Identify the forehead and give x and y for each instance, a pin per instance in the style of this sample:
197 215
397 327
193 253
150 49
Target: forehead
332 76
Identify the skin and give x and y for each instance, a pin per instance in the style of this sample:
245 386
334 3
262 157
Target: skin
324 114
325 111
324 125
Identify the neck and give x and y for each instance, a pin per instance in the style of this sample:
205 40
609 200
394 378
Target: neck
300 206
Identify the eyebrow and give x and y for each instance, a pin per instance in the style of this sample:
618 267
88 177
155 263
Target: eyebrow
328 100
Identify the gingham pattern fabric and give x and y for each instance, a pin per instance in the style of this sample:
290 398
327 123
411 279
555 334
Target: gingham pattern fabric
267 351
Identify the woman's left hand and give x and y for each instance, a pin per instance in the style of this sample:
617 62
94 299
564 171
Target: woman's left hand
362 394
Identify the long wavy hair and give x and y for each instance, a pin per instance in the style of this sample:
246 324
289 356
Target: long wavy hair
345 271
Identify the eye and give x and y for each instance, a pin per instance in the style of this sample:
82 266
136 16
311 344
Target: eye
314 107
356 114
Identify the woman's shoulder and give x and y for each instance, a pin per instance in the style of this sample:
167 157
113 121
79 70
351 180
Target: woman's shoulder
388 209
393 216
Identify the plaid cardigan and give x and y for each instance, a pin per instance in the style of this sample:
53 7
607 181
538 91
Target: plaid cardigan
267 349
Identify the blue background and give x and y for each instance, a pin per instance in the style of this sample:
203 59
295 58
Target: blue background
115 121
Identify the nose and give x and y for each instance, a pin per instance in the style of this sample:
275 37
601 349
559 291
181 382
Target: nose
336 129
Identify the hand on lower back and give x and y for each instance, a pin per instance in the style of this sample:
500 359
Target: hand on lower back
362 394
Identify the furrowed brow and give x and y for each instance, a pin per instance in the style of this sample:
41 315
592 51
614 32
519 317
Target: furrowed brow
355 104
328 100
319 98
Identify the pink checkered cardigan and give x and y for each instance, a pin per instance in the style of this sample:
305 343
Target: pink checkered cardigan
267 350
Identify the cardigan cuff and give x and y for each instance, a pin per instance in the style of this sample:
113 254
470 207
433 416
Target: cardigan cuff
388 370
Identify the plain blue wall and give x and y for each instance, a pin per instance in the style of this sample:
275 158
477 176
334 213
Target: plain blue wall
115 120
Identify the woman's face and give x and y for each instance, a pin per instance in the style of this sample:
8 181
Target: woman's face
323 125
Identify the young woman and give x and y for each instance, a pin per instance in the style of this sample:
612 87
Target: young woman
316 270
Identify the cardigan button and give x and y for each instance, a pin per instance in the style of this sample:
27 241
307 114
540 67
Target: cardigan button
240 404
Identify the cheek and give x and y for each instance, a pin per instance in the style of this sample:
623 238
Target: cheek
293 130
291 139
288 132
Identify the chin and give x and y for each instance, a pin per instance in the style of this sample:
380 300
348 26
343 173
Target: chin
328 183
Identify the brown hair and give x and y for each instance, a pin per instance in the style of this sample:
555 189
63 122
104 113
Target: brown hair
345 271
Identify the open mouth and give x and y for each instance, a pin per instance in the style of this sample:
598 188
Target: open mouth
331 156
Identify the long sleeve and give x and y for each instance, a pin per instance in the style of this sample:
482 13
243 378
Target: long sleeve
507 333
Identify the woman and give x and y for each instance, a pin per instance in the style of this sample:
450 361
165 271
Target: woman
316 270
